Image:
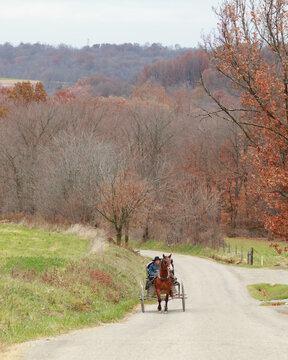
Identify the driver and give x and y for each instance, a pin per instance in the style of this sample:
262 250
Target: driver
153 267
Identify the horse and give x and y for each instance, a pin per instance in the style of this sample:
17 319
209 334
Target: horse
164 280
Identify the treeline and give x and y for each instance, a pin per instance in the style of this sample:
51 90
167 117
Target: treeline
64 66
181 72
150 164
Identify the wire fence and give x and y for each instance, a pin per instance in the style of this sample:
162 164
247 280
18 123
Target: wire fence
245 256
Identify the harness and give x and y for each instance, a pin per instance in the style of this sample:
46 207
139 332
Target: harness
160 277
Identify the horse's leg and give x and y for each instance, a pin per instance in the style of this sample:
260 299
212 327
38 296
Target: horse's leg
166 302
158 293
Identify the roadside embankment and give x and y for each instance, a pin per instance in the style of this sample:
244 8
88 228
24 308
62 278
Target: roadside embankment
49 286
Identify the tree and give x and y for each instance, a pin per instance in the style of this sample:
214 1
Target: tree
247 32
25 93
120 195
69 174
150 136
25 134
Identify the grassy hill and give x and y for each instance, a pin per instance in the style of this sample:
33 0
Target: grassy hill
48 286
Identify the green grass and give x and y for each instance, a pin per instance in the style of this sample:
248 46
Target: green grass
48 286
18 241
261 248
267 292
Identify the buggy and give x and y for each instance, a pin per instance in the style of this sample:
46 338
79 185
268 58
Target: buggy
177 291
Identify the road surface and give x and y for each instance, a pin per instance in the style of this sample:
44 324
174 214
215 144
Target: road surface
221 322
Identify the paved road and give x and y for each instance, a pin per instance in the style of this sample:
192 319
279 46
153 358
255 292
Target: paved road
221 322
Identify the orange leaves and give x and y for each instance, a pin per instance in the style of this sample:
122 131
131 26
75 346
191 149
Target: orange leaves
25 93
278 249
3 111
64 96
254 57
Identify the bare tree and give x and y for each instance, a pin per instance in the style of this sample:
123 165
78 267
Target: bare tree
25 132
121 194
74 168
150 133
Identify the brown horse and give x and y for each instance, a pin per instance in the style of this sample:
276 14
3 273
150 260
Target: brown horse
164 280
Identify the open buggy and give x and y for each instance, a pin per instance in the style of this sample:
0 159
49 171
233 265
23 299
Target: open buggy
177 289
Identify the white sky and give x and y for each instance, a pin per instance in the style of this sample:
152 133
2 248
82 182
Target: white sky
73 22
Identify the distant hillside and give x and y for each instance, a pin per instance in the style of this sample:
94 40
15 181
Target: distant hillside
64 66
185 69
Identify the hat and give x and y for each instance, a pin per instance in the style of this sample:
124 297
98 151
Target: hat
156 258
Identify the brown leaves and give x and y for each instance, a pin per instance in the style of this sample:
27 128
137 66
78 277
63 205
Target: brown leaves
101 276
261 77
25 93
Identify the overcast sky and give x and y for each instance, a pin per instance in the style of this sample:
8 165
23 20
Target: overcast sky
81 22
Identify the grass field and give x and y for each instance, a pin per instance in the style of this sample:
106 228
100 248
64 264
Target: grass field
267 292
261 248
6 82
48 286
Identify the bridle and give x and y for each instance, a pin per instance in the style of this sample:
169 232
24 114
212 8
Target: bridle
168 271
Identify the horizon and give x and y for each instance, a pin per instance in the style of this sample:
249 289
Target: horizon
147 44
80 23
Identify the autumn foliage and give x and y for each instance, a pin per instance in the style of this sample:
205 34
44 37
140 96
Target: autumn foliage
167 158
254 58
185 69
25 93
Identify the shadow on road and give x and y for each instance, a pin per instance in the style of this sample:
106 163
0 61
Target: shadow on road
167 313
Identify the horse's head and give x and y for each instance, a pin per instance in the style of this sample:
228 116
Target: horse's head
166 261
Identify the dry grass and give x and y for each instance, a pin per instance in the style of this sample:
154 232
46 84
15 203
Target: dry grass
5 82
34 222
96 236
13 352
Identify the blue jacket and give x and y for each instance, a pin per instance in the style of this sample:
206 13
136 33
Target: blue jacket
152 270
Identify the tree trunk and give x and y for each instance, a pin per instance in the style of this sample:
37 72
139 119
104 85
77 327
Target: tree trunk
145 233
126 234
118 235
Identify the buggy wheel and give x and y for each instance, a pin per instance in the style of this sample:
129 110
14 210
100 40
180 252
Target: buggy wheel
142 297
183 296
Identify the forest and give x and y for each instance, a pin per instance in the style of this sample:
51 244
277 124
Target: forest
194 147
63 66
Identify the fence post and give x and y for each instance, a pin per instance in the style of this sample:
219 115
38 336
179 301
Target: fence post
252 256
248 258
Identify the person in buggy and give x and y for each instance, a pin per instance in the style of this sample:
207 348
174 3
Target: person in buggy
152 269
